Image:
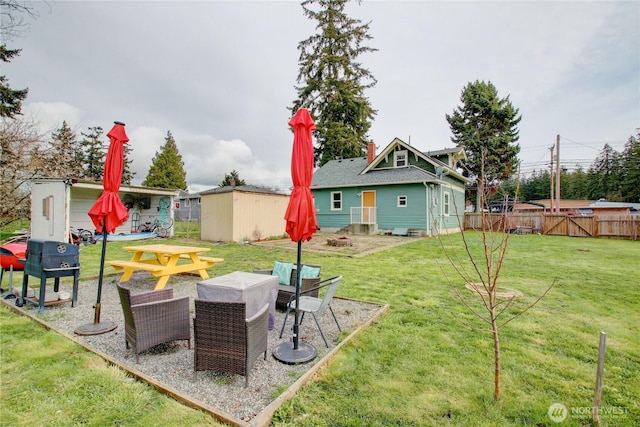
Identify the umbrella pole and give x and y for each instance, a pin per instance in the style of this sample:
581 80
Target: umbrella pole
296 323
96 317
96 327
300 352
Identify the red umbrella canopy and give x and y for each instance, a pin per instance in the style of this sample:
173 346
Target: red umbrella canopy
109 207
301 215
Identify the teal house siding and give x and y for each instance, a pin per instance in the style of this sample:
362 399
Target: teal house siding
453 217
391 216
413 190
333 218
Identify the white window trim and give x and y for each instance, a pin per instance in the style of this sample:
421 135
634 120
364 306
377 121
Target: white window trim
406 201
333 208
406 158
446 203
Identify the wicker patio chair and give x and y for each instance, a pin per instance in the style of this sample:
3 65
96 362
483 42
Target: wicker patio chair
315 306
225 340
152 318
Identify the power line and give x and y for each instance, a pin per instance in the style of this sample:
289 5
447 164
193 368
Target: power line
600 144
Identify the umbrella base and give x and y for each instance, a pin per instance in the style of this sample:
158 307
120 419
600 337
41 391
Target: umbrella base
287 354
96 328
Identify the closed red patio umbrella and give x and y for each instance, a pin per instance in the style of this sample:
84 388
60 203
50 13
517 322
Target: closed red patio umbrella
300 214
108 209
301 221
107 213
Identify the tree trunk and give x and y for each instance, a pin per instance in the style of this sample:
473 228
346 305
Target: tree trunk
496 350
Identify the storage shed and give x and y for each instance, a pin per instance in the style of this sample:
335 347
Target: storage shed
241 213
59 204
188 206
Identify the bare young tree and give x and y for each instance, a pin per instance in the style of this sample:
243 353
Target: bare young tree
12 18
21 159
480 269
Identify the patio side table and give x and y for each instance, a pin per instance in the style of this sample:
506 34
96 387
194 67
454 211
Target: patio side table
253 289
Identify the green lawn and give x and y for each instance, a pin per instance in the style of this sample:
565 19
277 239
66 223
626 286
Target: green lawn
417 365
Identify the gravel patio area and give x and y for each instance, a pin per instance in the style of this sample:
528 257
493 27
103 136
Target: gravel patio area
169 367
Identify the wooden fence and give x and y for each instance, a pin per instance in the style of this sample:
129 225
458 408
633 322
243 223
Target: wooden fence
615 226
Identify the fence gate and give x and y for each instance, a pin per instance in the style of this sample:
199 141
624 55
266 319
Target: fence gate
555 225
574 226
580 226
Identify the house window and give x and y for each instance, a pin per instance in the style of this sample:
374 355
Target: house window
199 200
400 158
336 201
187 203
445 202
402 201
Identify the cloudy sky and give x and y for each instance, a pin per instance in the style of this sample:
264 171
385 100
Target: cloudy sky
220 75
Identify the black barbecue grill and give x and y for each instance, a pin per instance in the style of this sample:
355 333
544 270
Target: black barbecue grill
49 259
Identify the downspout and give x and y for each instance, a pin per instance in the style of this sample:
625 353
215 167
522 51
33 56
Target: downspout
426 190
429 205
68 183
440 208
440 173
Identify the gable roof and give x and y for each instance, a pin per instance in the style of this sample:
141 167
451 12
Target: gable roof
454 150
397 142
348 173
357 172
242 189
186 195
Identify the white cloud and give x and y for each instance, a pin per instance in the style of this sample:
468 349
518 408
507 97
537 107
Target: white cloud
51 115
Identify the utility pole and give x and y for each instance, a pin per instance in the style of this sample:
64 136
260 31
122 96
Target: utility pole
558 174
551 204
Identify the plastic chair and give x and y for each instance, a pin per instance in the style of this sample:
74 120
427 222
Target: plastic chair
314 305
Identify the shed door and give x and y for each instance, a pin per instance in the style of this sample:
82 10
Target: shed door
368 201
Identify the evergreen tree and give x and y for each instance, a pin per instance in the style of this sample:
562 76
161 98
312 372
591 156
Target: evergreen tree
537 186
333 82
93 150
511 188
631 170
127 173
64 154
232 179
167 167
574 184
10 100
485 125
605 174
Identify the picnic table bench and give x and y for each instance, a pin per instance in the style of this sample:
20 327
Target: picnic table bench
165 262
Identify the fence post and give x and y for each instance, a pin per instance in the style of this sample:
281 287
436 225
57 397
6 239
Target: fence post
599 374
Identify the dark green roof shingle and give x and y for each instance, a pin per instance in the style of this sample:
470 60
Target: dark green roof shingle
346 172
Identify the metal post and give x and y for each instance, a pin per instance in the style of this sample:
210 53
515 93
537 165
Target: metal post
599 375
558 174
299 352
96 327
